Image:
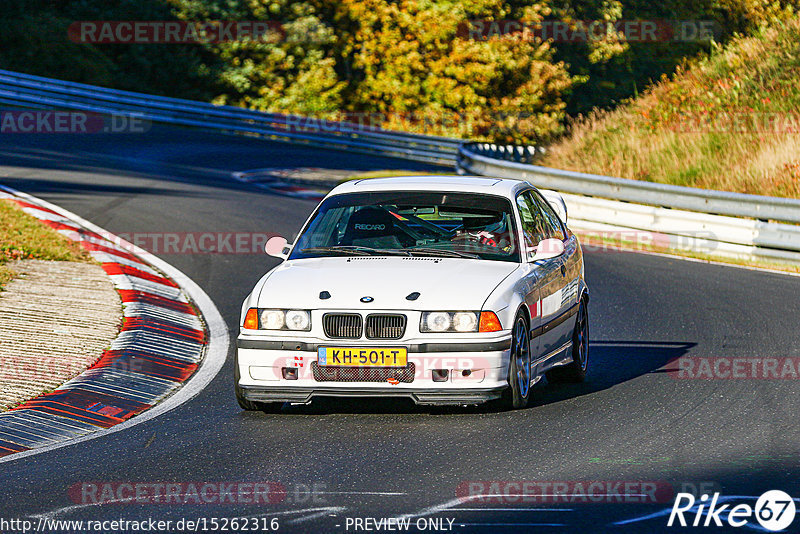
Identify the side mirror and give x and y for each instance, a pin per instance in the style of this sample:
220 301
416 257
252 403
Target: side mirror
277 247
548 248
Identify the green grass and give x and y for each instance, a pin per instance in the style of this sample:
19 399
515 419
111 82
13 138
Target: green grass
24 237
684 131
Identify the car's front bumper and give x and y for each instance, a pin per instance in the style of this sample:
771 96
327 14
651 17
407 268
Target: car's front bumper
448 396
477 371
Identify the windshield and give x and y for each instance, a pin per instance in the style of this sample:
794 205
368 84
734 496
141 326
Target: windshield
437 224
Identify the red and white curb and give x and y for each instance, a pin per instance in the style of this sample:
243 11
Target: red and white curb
172 344
269 180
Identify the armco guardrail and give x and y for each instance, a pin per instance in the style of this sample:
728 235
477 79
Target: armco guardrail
515 153
714 235
38 92
712 222
474 158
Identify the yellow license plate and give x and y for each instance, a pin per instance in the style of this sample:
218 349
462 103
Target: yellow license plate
361 357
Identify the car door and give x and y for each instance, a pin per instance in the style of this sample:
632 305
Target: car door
560 296
549 283
532 233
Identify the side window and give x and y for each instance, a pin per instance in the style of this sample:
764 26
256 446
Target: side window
532 229
553 225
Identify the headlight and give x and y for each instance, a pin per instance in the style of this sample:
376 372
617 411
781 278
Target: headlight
279 320
298 320
461 321
437 321
272 319
465 321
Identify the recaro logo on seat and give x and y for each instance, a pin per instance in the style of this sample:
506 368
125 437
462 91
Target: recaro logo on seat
370 227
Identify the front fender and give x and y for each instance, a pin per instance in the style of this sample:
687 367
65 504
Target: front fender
251 300
509 296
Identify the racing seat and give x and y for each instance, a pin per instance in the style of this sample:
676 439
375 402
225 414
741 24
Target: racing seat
489 231
371 227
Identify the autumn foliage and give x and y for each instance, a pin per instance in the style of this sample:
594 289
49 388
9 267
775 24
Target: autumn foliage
405 62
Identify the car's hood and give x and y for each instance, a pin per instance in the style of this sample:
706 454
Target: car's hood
442 283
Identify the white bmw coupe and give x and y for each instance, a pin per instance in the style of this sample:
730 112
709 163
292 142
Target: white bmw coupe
443 289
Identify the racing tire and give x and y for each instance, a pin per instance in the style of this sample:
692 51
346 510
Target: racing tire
575 371
517 395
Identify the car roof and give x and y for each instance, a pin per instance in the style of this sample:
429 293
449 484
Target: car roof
448 182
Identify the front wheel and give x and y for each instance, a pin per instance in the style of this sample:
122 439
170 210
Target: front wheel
575 371
519 367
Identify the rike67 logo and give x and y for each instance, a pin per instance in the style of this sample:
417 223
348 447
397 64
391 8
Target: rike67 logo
774 511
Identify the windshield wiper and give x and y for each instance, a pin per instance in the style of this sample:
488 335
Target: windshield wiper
441 252
356 250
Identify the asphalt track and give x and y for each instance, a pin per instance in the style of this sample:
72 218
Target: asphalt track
631 421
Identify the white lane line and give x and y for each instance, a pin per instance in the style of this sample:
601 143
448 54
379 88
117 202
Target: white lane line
58 511
513 510
438 507
216 352
512 524
326 509
452 504
382 493
323 512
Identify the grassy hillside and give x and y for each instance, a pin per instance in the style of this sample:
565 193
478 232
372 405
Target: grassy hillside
730 121
23 237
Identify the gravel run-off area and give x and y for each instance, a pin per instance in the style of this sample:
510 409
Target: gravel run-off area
56 319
